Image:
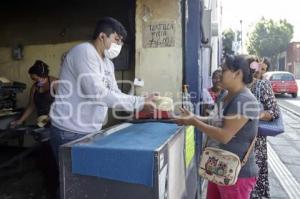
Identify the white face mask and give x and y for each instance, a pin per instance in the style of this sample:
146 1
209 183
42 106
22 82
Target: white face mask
113 51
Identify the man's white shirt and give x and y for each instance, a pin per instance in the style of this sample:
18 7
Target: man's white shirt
86 88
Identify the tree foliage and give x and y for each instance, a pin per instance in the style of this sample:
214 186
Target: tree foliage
269 37
227 39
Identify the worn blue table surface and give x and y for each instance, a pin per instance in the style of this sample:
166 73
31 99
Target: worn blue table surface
126 155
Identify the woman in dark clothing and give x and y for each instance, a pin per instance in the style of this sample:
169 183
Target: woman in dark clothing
262 89
40 92
41 98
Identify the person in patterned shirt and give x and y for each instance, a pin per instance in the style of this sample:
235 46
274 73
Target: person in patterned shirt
262 89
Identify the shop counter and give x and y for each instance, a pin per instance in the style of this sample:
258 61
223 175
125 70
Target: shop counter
131 161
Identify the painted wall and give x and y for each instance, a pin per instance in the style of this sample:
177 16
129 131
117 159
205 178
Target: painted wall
161 67
293 58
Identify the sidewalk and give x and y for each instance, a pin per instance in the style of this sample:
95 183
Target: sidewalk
285 170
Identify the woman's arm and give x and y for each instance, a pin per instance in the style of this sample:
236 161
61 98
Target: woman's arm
202 119
271 109
232 124
29 109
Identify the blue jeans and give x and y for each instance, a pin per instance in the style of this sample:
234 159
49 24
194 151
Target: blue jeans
59 137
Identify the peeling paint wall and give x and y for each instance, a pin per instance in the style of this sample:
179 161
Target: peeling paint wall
160 67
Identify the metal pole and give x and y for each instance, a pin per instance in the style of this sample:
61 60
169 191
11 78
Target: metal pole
241 21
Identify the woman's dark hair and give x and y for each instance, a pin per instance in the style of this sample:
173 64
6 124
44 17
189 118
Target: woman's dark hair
109 25
216 72
267 62
240 62
39 68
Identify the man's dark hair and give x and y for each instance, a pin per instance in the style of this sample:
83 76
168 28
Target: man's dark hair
109 25
39 68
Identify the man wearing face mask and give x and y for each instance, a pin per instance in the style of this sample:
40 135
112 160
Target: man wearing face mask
88 86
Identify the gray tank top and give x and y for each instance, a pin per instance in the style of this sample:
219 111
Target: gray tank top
245 104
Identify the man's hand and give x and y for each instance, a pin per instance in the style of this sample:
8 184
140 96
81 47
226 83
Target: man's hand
149 105
152 97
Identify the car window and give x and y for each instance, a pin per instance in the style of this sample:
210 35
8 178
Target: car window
282 77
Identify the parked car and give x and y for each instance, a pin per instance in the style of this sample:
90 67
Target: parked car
282 82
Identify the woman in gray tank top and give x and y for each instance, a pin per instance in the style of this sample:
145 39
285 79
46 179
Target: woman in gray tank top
239 127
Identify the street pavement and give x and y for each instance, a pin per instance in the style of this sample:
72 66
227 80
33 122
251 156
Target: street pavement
284 159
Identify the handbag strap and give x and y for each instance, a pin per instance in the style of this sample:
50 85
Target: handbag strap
245 159
206 142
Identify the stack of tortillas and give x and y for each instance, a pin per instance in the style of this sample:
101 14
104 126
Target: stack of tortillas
4 80
42 120
164 103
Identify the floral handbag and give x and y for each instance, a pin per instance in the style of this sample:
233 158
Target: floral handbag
220 166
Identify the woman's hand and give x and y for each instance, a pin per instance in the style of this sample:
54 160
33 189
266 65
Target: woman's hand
15 123
186 118
265 116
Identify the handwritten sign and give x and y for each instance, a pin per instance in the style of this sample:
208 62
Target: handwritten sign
159 35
